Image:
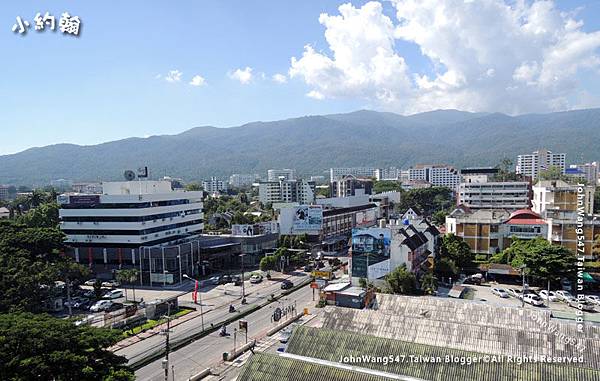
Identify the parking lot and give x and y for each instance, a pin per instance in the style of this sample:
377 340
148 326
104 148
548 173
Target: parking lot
484 294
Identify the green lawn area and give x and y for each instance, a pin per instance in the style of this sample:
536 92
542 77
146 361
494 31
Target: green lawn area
153 323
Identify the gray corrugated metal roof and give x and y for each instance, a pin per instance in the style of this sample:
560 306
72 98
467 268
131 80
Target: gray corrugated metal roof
332 345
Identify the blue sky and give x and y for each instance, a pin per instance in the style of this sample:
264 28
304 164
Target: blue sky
109 83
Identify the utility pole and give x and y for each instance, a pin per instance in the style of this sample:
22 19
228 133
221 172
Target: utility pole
167 348
69 295
523 267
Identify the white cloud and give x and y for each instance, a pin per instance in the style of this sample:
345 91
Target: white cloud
197 81
486 55
279 78
173 76
315 95
242 75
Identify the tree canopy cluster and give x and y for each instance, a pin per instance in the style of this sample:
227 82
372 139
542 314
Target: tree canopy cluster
34 345
544 261
426 201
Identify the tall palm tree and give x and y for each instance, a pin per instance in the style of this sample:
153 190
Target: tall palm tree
128 276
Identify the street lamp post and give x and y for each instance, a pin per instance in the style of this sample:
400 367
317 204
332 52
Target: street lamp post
199 297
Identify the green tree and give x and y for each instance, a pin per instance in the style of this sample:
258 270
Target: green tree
402 281
268 263
128 276
445 268
98 289
43 216
439 217
426 200
429 283
40 347
544 261
193 187
456 249
387 186
505 171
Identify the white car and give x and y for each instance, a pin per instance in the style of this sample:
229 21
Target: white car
101 305
90 282
594 299
500 292
111 283
563 295
551 296
533 299
515 292
113 294
256 278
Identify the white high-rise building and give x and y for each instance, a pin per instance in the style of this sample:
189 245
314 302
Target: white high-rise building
238 180
275 174
589 171
214 185
338 173
287 191
436 175
511 195
531 165
383 174
130 214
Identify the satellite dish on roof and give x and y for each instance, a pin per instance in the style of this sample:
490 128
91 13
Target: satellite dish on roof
129 175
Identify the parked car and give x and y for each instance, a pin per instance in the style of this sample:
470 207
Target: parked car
256 278
575 303
215 280
563 295
111 283
500 292
285 335
90 282
101 305
89 294
115 307
308 268
113 294
225 279
286 284
76 302
515 292
594 299
565 284
551 296
533 299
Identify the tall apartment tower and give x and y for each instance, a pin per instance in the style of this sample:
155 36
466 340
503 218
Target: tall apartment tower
531 165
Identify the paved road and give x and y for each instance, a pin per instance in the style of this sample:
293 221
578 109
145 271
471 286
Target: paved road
215 310
208 351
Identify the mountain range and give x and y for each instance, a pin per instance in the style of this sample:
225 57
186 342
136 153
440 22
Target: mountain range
312 144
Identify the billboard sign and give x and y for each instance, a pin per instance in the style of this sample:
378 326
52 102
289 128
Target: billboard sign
88 199
307 218
242 229
370 247
380 269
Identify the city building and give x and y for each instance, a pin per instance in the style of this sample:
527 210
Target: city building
387 174
239 180
559 196
141 224
478 175
365 172
531 165
511 195
214 185
440 175
87 188
4 194
350 185
318 179
286 191
588 171
276 174
378 251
